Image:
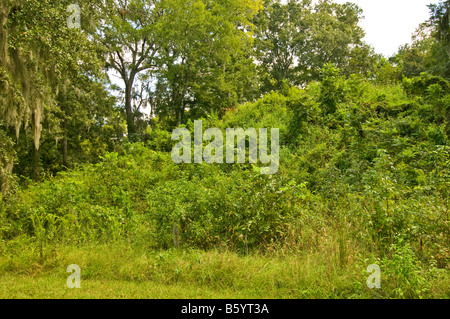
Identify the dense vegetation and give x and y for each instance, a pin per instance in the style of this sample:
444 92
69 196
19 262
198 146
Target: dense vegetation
364 172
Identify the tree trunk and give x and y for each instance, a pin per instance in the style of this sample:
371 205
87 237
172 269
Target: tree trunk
64 146
36 166
180 116
128 107
129 111
4 177
179 111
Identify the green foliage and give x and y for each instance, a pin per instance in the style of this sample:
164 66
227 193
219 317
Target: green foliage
421 85
294 40
205 60
404 272
386 156
430 49
331 91
7 158
364 160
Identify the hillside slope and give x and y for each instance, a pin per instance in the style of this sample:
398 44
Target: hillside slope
364 175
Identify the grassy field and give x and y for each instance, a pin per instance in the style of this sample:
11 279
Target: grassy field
121 271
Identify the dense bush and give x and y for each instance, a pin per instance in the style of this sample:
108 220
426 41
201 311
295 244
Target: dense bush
369 172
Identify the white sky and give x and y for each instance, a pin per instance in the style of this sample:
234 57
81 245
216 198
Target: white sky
390 23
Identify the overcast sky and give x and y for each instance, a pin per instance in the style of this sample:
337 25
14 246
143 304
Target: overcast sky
390 23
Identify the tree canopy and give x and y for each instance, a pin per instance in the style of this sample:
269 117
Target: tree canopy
177 61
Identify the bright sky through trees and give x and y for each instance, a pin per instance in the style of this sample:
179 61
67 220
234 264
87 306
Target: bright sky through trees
390 23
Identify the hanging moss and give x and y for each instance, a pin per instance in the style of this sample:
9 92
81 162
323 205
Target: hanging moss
25 81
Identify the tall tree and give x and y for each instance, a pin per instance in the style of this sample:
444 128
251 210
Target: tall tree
39 53
205 55
440 24
282 41
129 34
440 21
429 50
296 39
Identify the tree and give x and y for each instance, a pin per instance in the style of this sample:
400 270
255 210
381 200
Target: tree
440 21
205 55
282 41
7 159
430 48
39 56
440 52
295 40
129 33
336 38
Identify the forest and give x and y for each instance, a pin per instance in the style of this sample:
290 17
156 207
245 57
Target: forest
91 92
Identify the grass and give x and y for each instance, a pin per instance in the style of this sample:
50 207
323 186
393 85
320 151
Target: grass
54 287
117 271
